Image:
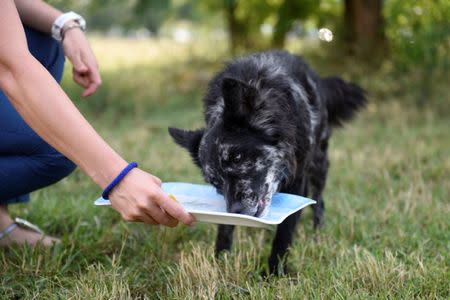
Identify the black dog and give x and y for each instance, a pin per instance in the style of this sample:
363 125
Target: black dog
268 120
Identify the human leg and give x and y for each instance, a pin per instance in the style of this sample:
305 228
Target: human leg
27 162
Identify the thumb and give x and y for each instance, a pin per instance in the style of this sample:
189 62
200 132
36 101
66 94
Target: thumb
78 65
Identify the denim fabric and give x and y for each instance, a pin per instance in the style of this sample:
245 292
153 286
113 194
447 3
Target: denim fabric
28 163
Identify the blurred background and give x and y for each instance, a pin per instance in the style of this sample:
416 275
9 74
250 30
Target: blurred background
387 195
393 38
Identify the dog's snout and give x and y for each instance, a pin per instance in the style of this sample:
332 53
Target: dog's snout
240 194
237 208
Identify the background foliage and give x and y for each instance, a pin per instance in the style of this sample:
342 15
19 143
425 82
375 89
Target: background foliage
414 36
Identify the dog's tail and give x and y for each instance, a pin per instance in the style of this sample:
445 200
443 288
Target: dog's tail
343 99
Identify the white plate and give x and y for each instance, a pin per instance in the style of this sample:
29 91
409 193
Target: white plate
208 206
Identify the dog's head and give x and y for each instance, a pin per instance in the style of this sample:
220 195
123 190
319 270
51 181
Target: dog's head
243 151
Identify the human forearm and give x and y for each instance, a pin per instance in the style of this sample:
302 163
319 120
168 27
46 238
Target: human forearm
54 117
45 107
37 14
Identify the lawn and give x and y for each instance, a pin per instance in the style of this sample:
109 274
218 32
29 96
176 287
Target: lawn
387 231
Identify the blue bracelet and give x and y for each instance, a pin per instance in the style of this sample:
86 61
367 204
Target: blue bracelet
118 179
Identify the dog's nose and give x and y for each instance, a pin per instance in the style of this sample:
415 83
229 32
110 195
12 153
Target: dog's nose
236 208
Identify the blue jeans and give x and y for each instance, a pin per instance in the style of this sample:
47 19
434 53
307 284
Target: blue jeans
27 162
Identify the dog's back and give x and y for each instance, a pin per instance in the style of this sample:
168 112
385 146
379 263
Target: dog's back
331 97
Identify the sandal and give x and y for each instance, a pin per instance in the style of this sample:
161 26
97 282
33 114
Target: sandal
25 225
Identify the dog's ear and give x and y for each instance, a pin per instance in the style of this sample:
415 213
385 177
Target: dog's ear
239 97
188 139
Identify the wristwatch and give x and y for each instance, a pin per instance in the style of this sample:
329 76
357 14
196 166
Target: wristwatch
63 19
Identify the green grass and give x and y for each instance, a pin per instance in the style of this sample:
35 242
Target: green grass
387 199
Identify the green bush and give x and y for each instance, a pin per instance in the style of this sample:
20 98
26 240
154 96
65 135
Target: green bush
419 35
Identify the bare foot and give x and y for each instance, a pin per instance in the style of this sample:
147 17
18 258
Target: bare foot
21 235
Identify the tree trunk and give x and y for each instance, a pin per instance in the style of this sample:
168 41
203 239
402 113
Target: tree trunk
288 12
233 25
364 26
282 26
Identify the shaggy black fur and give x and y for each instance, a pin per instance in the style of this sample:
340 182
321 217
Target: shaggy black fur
268 120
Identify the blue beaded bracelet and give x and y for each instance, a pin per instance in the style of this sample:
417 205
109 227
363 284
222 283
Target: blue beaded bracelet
118 179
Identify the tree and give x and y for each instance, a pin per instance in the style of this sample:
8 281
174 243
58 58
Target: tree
244 19
364 25
420 43
288 12
152 14
237 29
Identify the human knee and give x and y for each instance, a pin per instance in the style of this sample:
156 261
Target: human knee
59 52
55 61
58 166
64 166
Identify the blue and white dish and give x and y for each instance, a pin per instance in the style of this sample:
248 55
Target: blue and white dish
208 206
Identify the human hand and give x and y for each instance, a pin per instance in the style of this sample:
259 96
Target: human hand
139 197
85 68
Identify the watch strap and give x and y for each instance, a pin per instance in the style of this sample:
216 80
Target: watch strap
60 21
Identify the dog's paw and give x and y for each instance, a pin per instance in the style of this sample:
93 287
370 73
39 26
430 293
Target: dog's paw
318 222
220 253
275 271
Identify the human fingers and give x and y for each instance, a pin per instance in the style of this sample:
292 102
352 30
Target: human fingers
150 208
148 220
93 77
133 214
85 67
91 89
139 194
163 218
77 64
81 79
173 208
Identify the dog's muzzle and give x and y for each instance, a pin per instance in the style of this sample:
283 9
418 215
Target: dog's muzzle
250 204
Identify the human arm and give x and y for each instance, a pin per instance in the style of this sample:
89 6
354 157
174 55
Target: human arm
40 16
47 109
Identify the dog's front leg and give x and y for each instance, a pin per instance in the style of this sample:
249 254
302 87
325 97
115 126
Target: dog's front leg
224 238
318 210
285 232
317 181
281 243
